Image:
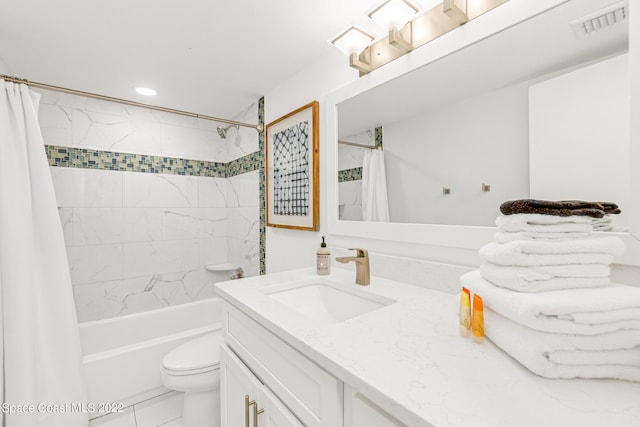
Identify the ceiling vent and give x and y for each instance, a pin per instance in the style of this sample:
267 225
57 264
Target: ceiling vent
600 20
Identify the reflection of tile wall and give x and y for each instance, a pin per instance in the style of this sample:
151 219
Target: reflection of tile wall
350 174
350 200
140 226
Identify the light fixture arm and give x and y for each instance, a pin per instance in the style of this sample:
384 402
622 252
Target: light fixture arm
454 12
359 65
396 39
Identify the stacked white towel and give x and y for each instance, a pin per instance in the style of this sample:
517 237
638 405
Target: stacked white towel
571 333
602 224
542 278
569 311
611 355
539 253
549 302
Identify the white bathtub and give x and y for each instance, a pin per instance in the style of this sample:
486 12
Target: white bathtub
122 356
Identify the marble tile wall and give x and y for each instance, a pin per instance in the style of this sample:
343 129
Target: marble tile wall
76 121
138 239
243 235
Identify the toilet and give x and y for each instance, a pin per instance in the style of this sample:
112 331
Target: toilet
194 368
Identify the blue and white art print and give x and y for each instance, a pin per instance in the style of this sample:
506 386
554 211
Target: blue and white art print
292 170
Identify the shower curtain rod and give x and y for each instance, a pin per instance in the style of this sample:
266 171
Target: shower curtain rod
11 79
353 144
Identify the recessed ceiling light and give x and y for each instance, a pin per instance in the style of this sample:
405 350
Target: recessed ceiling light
146 91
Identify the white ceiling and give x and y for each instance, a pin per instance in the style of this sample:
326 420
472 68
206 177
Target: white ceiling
213 57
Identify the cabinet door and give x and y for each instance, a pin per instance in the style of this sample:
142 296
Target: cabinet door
275 413
361 412
236 382
307 390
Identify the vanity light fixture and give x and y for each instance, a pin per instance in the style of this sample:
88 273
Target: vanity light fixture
393 15
406 30
146 91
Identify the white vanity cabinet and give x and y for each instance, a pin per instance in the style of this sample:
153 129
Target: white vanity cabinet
361 412
245 401
289 387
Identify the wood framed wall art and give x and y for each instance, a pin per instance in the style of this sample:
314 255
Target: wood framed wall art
292 170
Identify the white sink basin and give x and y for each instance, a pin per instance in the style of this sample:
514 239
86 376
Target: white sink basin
327 302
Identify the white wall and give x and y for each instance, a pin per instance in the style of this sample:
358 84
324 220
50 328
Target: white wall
4 68
579 133
288 249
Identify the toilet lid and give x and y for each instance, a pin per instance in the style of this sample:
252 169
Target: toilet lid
198 353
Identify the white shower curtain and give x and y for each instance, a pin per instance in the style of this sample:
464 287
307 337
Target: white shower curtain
375 206
40 345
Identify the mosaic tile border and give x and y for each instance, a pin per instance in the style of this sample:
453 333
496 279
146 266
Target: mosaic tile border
346 175
263 188
378 136
244 164
86 158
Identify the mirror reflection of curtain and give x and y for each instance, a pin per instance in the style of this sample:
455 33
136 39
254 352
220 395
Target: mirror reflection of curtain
375 206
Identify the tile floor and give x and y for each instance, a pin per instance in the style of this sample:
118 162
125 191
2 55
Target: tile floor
161 411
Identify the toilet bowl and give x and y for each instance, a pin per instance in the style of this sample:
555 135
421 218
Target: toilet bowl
194 368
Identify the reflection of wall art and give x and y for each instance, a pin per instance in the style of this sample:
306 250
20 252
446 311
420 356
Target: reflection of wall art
292 170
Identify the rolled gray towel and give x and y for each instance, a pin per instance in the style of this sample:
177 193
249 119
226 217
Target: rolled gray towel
558 208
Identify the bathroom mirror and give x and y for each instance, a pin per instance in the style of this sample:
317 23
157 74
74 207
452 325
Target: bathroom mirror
538 109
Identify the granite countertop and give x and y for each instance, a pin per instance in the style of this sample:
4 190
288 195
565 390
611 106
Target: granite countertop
409 359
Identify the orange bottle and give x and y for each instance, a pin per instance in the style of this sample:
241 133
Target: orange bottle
477 323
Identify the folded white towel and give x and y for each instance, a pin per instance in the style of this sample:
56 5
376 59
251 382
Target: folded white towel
591 250
569 311
602 224
611 355
604 220
544 223
510 236
546 277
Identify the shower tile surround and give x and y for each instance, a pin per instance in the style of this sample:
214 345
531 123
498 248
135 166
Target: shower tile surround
350 172
147 199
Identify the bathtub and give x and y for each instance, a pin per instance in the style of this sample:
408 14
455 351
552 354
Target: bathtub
122 356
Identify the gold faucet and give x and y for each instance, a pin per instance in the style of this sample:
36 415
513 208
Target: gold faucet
362 265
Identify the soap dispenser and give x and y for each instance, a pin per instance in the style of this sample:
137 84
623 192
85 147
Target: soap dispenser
323 260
